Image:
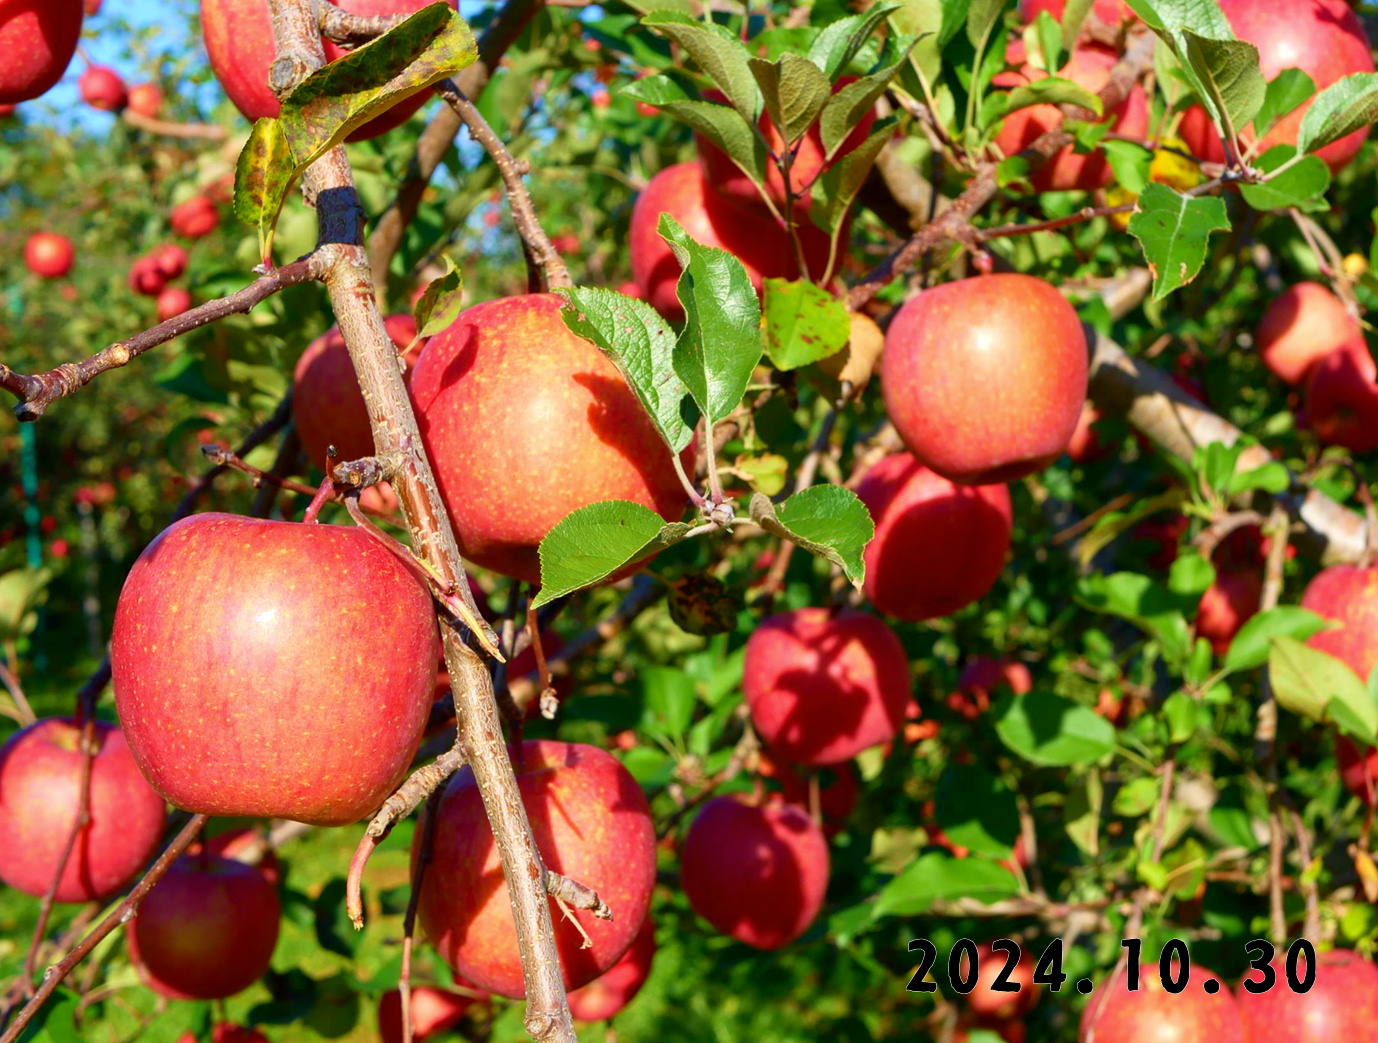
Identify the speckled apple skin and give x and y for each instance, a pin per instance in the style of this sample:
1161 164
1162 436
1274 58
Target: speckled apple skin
822 687
757 874
40 793
37 39
984 378
1300 326
591 823
524 423
1348 595
607 994
239 40
1341 1005
272 668
938 546
757 240
1323 38
207 930
1153 1015
327 406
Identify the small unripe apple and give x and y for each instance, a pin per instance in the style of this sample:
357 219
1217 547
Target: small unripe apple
591 823
207 930
37 39
1151 1014
146 99
757 874
145 277
102 88
1342 398
612 990
49 255
194 218
823 687
216 623
984 378
40 794
938 546
1340 1005
172 302
510 372
1228 603
432 1011
1300 326
1348 596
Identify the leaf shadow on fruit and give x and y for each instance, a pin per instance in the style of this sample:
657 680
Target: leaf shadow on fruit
614 412
807 729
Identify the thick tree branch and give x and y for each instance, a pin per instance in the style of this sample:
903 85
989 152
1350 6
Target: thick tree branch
351 30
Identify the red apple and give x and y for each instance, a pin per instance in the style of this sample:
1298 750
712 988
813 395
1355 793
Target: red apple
989 1005
171 260
239 40
1111 12
1358 768
509 372
757 874
982 680
327 406
823 687
591 823
225 1032
92 6
1346 595
102 88
1341 1005
194 218
432 1011
40 792
48 254
6 111
219 688
145 277
1300 326
985 378
247 846
683 192
207 930
1342 398
172 302
38 39
1153 1015
1088 66
146 99
938 546
1228 603
1085 445
834 790
607 994
1322 38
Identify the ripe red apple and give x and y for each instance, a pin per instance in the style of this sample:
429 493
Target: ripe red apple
92 6
757 874
1088 66
982 680
1347 595
612 990
727 180
239 40
938 546
834 789
989 1005
510 372
1228 603
145 277
683 192
1112 12
247 846
1301 326
38 39
1323 38
6 111
824 687
172 302
194 218
1085 445
49 255
171 260
146 99
1342 398
985 378
432 1011
216 624
40 792
1153 1015
207 929
327 406
102 88
225 1032
1358 768
1341 1005
591 823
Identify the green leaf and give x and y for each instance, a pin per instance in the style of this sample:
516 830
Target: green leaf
340 97
1302 182
834 48
720 344
1272 477
1047 729
21 591
441 302
1081 813
826 520
1229 75
1046 38
765 474
1320 687
668 698
1287 90
262 178
1189 576
1173 229
845 109
804 323
937 876
982 17
1130 162
719 53
1073 15
723 125
1251 645
842 180
795 91
1138 599
1179 710
1052 90
1338 111
590 544
977 810
641 345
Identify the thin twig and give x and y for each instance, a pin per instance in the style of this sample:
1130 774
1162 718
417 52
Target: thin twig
169 129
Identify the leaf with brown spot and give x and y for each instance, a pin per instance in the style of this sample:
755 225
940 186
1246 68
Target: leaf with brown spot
262 179
441 302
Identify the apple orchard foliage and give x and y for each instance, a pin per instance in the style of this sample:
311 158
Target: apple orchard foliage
1065 633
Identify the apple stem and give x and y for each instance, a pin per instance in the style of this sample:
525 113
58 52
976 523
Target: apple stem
313 509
